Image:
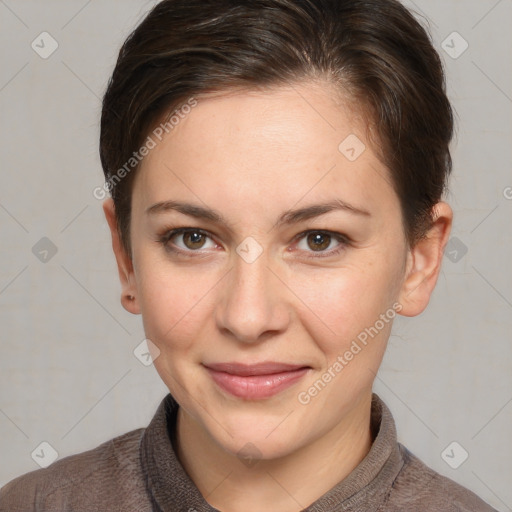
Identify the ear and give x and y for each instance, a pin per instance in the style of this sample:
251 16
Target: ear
424 263
124 261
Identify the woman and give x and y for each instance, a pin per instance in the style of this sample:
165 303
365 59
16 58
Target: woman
276 170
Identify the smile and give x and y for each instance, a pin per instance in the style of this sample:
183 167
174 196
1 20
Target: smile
255 382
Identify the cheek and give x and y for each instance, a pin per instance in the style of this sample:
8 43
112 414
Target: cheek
175 304
349 316
342 305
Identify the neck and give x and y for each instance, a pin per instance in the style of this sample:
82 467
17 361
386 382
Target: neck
287 484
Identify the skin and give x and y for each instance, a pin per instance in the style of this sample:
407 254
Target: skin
251 156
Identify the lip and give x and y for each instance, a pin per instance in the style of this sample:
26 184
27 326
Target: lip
255 381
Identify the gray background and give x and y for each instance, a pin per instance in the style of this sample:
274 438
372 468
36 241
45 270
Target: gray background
68 374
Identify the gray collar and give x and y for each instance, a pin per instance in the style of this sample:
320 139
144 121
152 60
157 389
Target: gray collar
365 488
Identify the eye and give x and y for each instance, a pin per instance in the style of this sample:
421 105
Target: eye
324 243
187 240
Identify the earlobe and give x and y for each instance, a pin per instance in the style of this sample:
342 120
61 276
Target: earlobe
424 263
124 261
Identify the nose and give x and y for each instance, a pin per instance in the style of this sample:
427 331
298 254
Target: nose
253 305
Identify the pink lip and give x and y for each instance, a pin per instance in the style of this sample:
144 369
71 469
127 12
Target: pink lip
257 381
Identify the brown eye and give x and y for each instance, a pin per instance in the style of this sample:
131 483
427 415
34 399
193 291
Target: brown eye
316 244
193 239
318 241
189 240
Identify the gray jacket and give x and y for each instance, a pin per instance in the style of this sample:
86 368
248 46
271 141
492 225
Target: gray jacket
139 472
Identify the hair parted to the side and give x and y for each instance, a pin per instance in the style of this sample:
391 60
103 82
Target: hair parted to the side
373 51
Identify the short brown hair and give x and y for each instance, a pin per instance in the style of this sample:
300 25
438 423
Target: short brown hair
374 50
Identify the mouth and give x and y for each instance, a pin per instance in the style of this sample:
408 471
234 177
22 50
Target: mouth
255 381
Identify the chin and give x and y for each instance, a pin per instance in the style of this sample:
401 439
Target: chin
248 447
255 435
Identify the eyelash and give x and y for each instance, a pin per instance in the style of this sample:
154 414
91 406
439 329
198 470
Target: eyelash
170 233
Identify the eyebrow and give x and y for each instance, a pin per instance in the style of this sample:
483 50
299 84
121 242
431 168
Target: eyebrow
289 217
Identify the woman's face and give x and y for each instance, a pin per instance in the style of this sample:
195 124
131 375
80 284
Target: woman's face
293 251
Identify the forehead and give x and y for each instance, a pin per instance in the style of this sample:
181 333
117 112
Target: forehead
265 146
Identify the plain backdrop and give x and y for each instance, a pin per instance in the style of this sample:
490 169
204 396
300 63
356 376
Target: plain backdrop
68 374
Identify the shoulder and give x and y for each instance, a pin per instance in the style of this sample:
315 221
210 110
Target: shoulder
86 481
418 487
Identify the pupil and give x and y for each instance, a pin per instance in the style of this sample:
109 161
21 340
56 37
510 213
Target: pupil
320 241
195 239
